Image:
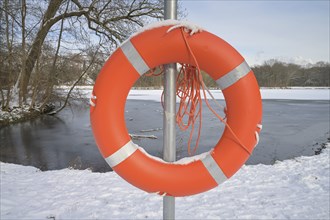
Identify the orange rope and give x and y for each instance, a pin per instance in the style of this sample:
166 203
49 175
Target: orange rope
206 100
189 86
188 90
152 72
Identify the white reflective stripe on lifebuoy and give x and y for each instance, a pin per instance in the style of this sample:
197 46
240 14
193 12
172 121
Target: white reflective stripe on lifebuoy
233 76
214 170
134 57
122 154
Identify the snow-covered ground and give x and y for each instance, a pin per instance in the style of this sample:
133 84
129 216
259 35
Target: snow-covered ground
292 189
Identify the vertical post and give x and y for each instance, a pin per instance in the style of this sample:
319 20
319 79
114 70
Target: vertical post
170 12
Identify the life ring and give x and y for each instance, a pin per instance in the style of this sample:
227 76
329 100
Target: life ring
149 49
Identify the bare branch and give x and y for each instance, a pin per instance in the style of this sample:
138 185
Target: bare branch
74 85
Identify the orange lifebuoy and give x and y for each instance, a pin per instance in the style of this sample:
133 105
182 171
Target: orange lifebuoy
150 49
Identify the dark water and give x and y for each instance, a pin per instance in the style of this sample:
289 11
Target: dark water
290 128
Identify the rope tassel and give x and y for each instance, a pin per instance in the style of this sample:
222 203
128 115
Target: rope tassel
190 89
189 84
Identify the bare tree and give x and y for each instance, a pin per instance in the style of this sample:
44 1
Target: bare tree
111 19
39 22
7 51
84 72
52 75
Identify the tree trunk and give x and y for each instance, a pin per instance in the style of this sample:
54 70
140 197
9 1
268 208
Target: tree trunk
34 52
23 14
9 41
52 75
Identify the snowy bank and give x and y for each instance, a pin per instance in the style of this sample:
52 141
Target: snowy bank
290 93
292 189
298 93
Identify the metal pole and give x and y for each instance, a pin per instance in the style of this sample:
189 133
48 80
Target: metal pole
170 12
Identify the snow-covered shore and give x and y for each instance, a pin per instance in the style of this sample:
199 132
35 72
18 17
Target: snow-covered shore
292 189
290 93
294 93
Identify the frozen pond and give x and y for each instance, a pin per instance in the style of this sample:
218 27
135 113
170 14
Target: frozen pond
290 128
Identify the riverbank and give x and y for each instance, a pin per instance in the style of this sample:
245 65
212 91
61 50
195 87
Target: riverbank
21 114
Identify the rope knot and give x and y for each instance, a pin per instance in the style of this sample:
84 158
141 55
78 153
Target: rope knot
187 27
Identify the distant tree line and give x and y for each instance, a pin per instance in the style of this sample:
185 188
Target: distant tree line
272 73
